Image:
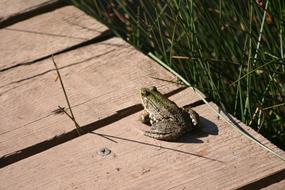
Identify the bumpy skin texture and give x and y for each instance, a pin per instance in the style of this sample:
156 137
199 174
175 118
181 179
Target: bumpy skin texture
167 120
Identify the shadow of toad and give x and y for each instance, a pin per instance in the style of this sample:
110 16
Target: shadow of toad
205 129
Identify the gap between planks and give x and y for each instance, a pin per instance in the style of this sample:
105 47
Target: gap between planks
31 12
63 138
265 181
106 35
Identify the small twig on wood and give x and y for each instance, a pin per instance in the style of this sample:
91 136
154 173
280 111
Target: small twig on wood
71 113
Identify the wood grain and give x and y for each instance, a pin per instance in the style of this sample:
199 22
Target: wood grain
45 35
99 80
103 82
214 157
9 8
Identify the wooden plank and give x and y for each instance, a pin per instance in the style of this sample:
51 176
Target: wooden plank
45 35
14 11
214 157
275 181
276 186
10 8
100 80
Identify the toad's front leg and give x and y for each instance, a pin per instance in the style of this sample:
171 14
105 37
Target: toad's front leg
145 118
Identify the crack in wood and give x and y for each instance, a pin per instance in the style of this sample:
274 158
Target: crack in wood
50 70
44 33
157 146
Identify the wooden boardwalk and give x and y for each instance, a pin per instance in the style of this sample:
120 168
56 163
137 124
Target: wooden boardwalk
39 147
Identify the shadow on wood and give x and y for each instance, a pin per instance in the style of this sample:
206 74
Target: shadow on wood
65 137
207 128
153 145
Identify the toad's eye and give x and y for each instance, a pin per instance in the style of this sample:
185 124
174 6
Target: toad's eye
153 88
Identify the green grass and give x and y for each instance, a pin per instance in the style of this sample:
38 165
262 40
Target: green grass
233 51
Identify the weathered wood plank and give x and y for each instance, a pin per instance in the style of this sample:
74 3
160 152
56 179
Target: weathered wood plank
274 181
100 80
45 35
215 157
10 8
276 186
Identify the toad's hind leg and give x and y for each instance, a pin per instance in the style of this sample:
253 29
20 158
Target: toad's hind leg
165 130
194 116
